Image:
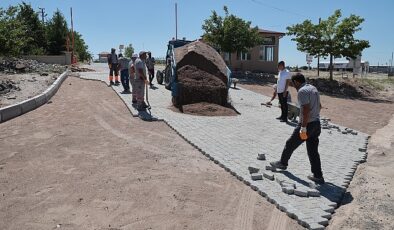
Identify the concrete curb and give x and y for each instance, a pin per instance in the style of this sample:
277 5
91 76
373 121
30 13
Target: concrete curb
15 110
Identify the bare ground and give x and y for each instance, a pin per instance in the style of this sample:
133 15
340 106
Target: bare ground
369 200
30 85
82 162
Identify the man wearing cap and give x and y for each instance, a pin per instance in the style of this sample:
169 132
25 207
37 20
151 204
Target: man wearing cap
132 77
113 67
140 80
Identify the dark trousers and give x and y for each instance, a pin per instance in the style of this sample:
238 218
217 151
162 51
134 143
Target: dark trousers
312 145
283 105
114 70
151 73
124 78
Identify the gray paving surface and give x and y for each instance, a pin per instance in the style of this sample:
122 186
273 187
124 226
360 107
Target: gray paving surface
235 142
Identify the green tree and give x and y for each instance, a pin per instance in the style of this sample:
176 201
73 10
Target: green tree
57 32
332 37
35 30
128 51
230 33
13 33
81 49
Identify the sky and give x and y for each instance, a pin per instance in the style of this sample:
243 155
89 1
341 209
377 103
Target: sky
149 24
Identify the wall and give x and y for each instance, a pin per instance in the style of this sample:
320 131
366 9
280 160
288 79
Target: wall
64 59
255 64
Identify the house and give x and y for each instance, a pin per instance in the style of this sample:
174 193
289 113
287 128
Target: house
103 57
262 58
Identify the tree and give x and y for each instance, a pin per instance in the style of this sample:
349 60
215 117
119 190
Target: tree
332 37
230 33
13 33
57 33
128 51
81 49
35 30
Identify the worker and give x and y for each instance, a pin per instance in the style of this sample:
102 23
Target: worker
274 95
113 67
140 80
308 129
124 74
281 89
132 77
150 64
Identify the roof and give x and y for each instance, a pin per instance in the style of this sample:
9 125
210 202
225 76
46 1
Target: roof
104 53
262 31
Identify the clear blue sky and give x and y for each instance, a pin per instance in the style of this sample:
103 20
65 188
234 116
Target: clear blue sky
149 25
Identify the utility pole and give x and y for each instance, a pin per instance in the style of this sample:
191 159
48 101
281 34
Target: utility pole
318 59
176 21
391 64
42 14
72 34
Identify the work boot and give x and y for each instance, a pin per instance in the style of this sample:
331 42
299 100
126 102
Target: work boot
117 82
317 180
111 83
278 118
283 120
278 164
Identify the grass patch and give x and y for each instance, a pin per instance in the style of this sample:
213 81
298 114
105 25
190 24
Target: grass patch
378 84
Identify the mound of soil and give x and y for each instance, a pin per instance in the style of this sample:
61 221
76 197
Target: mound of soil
341 88
196 85
203 57
208 109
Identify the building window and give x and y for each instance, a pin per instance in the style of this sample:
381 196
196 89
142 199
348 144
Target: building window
268 40
244 56
267 53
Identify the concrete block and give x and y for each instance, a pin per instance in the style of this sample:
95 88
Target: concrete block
362 149
313 193
262 193
329 209
270 168
288 190
269 175
253 169
288 184
10 112
261 157
256 176
301 192
316 226
40 100
28 105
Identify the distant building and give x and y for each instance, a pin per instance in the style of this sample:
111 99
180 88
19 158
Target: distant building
103 57
344 65
262 58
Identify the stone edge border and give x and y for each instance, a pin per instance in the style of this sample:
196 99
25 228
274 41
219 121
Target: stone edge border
9 112
301 221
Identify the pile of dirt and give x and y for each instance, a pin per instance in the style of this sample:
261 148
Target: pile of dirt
196 85
203 57
349 88
7 85
75 68
208 109
17 65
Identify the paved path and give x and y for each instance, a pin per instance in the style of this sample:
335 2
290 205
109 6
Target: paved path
235 142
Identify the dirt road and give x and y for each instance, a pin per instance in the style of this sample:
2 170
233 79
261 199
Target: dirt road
82 162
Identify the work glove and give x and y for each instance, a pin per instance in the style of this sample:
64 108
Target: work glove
110 66
303 134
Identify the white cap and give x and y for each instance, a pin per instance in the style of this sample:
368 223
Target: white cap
134 56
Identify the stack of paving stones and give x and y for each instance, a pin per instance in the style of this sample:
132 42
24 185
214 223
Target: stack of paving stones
244 145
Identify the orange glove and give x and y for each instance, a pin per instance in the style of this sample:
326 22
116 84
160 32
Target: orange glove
303 134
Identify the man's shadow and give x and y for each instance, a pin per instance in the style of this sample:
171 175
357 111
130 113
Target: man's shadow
329 190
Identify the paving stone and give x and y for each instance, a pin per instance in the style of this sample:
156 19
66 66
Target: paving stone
261 157
288 190
301 192
270 168
313 193
253 169
269 175
316 226
256 176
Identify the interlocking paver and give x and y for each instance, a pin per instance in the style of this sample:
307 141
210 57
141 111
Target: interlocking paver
234 143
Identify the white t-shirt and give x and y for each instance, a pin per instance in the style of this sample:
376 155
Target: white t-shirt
283 76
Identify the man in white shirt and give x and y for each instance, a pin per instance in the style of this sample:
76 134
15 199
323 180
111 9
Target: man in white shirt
282 86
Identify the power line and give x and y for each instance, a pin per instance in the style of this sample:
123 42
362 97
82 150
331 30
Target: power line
278 9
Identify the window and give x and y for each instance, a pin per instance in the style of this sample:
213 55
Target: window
267 53
268 40
244 56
